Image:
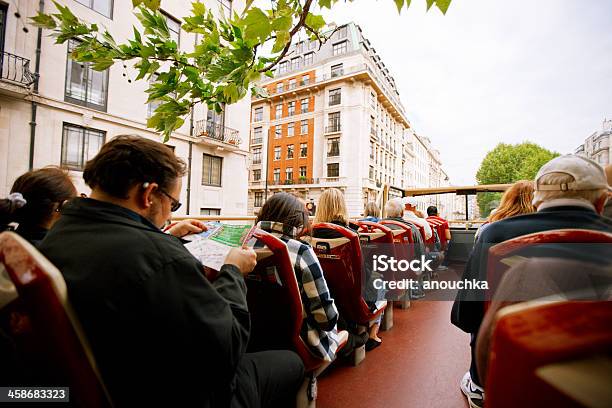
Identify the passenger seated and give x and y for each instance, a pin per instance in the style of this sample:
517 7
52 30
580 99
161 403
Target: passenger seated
35 202
394 209
162 334
570 192
516 200
285 216
371 212
434 217
332 209
412 214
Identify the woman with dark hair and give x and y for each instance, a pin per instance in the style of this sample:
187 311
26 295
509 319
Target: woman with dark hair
285 216
35 202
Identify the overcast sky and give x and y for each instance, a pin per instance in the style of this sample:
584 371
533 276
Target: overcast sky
494 71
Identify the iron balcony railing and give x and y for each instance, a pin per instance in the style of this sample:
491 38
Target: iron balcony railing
298 180
16 69
210 130
333 128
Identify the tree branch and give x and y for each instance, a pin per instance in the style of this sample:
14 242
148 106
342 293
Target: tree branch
301 23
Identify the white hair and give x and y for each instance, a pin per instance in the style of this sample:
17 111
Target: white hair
540 197
394 208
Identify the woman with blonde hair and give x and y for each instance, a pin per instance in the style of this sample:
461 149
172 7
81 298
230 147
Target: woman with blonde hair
517 200
332 208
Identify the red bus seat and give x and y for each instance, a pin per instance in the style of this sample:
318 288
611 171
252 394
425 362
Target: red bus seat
503 256
537 347
275 304
39 320
342 263
402 236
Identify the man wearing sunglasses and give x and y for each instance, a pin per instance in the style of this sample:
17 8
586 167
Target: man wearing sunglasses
162 334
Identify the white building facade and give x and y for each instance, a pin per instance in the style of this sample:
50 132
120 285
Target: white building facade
332 118
78 109
598 145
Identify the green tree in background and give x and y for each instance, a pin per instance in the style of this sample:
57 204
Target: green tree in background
508 163
228 58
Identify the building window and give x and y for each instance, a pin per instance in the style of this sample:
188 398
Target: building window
333 147
210 211
279 111
303 171
371 173
257 155
308 58
335 96
104 7
291 108
174 27
304 105
290 129
313 44
80 144
333 170
227 4
305 80
337 70
277 132
277 153
342 31
211 170
256 174
257 135
289 173
283 67
259 199
333 122
258 115
304 127
84 86
295 63
339 48
290 151
276 175
279 87
303 149
292 83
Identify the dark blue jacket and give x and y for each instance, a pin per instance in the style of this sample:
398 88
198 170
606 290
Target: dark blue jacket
468 311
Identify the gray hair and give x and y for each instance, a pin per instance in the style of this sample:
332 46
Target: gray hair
394 208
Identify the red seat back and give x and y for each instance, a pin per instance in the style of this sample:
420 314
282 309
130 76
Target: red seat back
530 341
404 240
275 304
499 255
439 224
41 323
342 263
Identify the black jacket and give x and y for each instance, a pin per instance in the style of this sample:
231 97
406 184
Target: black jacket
468 311
162 334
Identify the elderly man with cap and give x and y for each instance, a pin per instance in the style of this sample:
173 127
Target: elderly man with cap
410 209
570 192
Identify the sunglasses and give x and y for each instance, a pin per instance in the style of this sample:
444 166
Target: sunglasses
174 203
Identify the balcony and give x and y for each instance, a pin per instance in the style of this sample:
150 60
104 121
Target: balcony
256 140
207 129
16 70
294 181
335 128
